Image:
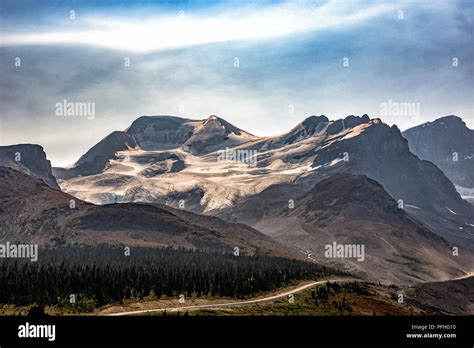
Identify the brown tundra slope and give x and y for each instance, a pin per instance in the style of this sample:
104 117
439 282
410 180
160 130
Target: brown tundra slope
32 211
354 209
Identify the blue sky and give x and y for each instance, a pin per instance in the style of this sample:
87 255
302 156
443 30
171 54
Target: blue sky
182 62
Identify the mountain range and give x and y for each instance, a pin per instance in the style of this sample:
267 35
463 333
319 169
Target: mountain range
354 180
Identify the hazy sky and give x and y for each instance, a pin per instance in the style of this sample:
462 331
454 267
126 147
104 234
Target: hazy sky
263 66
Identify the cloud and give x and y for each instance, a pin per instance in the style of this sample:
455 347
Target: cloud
301 67
177 30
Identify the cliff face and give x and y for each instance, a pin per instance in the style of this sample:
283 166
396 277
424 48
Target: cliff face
448 143
30 159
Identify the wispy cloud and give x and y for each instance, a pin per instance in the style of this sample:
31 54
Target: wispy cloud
291 57
181 29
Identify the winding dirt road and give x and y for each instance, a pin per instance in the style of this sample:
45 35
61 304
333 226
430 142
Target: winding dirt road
234 303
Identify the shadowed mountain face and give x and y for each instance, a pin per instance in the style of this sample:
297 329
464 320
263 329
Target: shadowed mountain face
162 132
448 143
355 210
30 159
31 211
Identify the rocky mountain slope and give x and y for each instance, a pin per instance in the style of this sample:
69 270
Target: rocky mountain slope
454 297
31 211
158 133
355 210
448 143
368 147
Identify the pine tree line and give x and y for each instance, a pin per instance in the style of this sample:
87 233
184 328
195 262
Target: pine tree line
105 275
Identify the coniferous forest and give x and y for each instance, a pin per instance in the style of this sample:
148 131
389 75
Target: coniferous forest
104 274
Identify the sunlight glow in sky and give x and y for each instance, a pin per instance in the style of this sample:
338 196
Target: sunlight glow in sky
181 29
